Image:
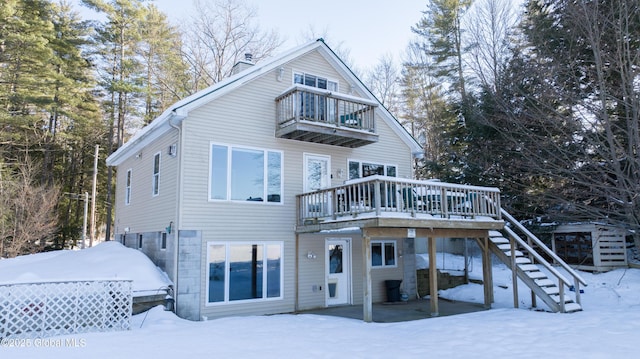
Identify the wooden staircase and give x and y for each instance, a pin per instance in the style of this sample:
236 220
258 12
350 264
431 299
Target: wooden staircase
526 263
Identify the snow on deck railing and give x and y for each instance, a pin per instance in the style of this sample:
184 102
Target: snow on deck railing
37 310
392 195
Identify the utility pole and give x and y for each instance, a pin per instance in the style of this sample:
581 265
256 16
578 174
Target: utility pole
84 219
93 197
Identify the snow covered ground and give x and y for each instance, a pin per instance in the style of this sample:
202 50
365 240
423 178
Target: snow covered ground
607 328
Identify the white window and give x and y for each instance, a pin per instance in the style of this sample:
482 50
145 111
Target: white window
314 81
127 191
383 254
245 174
360 169
244 271
156 175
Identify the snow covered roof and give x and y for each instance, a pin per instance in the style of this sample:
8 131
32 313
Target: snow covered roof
108 260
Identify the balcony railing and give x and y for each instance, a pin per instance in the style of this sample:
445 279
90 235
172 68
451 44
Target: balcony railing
377 196
311 114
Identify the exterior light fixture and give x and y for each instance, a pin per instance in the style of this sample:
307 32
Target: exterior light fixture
280 74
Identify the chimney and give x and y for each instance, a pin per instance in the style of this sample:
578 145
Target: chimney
243 64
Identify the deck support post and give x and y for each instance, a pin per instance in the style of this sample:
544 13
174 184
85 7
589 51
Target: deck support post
433 277
514 272
367 306
487 273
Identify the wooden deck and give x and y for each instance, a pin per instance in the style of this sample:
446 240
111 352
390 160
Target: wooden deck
394 203
391 207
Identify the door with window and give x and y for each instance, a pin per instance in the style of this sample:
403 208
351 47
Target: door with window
315 107
338 271
317 175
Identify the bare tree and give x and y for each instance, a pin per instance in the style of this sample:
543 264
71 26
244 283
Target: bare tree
27 212
221 33
383 81
492 23
424 111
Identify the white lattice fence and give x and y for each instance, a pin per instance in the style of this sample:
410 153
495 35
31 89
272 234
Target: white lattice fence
35 310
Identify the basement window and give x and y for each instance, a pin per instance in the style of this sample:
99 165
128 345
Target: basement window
383 254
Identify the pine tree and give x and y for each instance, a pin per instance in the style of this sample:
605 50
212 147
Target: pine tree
166 73
440 41
26 31
75 123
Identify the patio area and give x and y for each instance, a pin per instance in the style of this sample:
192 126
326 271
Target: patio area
400 311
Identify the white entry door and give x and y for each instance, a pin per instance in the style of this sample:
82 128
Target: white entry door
317 175
317 172
338 271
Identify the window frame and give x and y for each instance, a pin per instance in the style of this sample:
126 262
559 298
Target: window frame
360 163
383 258
163 241
229 173
304 74
155 179
226 296
127 189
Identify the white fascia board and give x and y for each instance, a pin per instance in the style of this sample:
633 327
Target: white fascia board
141 139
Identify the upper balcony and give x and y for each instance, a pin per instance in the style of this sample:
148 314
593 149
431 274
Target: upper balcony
391 202
310 114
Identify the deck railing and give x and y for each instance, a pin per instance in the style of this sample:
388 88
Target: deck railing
536 258
304 103
378 195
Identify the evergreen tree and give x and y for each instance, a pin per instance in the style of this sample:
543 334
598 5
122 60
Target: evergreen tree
26 77
46 100
440 44
166 73
118 41
75 123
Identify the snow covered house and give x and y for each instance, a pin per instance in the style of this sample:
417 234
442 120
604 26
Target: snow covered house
285 187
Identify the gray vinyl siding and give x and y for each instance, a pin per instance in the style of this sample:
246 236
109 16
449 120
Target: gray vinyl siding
149 215
246 117
312 272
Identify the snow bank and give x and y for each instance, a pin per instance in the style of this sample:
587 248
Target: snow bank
108 260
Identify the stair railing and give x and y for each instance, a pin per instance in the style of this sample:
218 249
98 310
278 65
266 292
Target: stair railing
577 279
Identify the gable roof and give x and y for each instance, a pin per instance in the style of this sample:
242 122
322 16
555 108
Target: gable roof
179 111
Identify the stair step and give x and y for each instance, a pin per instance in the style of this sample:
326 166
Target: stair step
495 234
523 260
518 253
567 299
536 275
545 282
572 307
551 290
529 267
499 240
504 247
